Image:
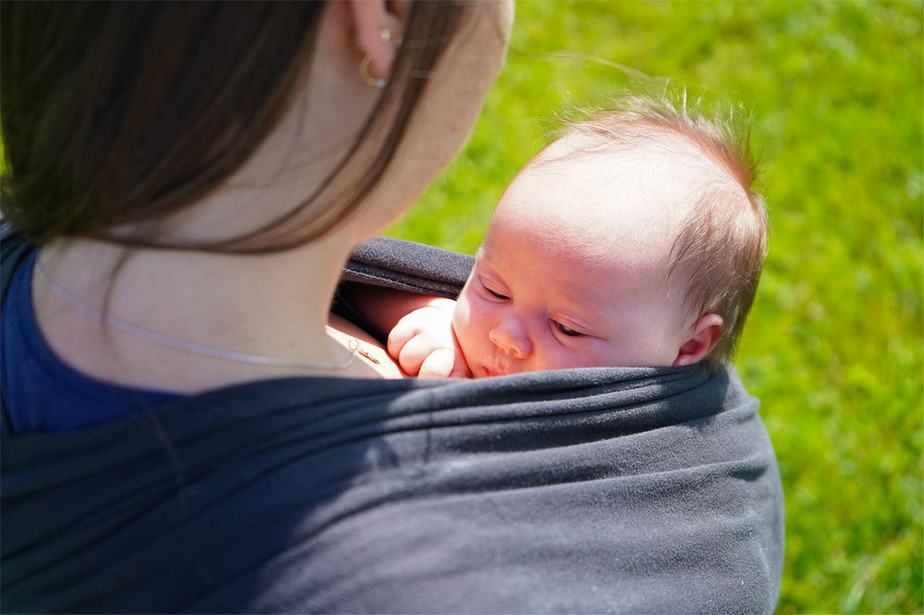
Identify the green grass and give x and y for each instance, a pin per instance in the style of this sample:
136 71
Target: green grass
834 344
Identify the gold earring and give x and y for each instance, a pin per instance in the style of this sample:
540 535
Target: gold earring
373 82
390 37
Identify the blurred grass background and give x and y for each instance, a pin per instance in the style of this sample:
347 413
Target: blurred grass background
833 347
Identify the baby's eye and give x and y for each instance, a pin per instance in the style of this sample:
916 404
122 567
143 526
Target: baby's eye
493 293
565 330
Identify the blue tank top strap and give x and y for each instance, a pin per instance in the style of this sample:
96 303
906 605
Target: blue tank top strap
40 391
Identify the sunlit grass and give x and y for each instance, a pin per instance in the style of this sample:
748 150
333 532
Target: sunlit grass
834 344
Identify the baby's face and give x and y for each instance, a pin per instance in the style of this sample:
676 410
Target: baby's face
529 307
558 285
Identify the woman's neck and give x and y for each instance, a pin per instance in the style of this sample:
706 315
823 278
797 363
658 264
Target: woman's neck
271 305
274 305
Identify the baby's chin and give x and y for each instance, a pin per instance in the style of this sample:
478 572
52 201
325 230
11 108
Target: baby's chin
483 369
494 370
486 372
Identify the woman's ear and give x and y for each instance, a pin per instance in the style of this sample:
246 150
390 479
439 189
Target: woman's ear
705 335
379 27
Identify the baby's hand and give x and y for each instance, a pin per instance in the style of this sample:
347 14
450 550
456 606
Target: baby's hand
423 344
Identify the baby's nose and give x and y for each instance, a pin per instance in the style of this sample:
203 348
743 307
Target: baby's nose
510 336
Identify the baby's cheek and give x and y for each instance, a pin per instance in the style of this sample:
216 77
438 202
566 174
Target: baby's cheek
461 315
465 323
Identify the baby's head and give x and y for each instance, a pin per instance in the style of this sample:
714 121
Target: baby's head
633 240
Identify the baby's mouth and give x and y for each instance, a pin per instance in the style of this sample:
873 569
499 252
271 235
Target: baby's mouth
494 371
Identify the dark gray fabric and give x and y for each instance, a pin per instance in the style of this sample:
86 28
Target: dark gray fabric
406 265
595 490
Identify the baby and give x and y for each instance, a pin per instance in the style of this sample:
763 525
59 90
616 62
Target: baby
632 240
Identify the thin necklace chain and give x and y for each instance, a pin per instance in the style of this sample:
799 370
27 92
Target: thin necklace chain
190 347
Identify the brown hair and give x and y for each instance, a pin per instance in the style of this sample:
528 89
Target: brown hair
117 113
721 247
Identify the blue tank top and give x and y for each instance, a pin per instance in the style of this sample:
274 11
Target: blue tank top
40 391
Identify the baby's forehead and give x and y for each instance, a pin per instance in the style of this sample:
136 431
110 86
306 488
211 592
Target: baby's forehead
584 272
627 194
577 247
616 196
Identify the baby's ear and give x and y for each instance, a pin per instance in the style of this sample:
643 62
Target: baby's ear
705 335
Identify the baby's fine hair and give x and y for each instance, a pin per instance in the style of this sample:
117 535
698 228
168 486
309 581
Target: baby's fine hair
720 249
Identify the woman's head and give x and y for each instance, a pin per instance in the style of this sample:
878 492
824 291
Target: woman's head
117 117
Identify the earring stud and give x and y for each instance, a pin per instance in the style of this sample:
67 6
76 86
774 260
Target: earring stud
390 37
373 82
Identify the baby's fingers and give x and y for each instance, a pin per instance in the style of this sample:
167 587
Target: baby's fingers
400 335
438 364
413 354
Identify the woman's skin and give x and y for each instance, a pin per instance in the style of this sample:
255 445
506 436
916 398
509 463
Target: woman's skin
277 304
